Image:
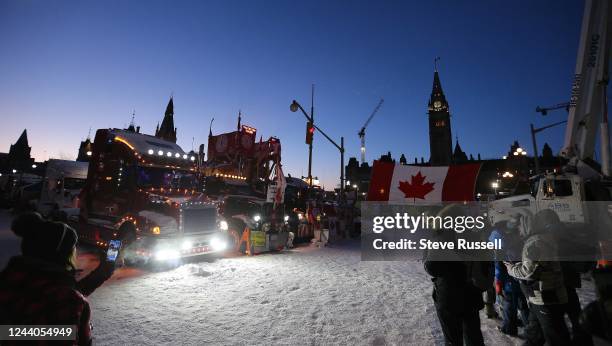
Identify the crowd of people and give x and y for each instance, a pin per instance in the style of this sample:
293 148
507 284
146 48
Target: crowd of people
534 289
534 292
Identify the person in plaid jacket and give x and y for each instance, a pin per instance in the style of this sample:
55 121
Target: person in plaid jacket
40 287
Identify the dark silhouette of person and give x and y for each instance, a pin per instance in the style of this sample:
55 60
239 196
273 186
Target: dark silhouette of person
39 287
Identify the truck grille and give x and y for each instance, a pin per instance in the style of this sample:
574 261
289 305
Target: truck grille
198 220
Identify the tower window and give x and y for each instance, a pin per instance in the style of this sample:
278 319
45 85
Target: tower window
439 123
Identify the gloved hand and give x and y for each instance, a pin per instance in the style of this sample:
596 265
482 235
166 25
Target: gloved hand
499 290
106 268
97 277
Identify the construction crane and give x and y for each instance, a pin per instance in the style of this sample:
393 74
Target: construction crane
361 132
544 110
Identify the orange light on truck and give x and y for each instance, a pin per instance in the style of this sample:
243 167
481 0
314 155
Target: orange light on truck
119 139
156 230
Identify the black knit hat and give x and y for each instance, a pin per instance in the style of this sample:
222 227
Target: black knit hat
49 240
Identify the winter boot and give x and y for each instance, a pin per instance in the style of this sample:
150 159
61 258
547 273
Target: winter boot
490 311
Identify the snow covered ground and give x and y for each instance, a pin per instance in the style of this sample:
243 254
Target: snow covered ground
304 296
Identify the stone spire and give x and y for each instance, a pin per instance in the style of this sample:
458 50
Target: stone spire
167 130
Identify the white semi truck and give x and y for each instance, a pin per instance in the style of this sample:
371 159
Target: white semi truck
61 186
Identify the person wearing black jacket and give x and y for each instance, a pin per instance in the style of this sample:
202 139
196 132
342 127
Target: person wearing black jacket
457 302
455 297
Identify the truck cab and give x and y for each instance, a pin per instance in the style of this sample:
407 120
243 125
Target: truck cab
563 193
146 189
61 187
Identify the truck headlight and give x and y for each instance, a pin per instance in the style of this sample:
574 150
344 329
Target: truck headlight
286 218
223 225
218 244
186 245
257 217
167 254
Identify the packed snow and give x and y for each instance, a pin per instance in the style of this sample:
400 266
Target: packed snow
307 295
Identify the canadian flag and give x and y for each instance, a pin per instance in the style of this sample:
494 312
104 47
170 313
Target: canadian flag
415 184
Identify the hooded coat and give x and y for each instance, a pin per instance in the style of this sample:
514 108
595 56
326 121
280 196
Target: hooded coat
540 272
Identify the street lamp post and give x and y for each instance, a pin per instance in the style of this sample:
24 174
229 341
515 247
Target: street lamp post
533 140
294 108
312 139
310 118
536 159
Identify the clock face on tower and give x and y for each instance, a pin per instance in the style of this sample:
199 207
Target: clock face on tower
437 104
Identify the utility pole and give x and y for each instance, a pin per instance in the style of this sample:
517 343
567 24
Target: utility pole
535 146
535 150
294 107
341 169
310 145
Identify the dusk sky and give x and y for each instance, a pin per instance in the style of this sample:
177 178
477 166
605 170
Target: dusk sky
69 66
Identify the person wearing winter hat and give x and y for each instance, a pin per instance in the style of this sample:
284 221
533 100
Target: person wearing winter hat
456 299
541 277
39 287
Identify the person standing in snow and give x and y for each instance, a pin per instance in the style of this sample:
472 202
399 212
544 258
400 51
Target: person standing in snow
542 279
572 280
39 287
569 245
507 287
457 300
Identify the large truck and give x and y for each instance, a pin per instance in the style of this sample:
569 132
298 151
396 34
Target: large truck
240 173
61 187
146 189
582 179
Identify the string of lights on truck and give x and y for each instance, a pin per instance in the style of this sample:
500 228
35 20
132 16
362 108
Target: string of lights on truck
152 152
169 154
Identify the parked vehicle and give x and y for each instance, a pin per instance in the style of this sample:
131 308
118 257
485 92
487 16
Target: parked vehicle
241 212
61 187
144 188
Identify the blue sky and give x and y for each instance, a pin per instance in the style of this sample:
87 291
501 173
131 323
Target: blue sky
67 66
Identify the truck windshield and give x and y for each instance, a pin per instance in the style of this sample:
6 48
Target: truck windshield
557 187
74 183
148 177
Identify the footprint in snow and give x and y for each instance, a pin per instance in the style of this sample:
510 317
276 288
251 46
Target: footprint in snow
202 273
379 341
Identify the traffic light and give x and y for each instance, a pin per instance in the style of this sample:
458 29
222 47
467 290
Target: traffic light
309 132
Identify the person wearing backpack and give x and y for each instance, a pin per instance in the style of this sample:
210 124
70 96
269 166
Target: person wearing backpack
456 299
542 279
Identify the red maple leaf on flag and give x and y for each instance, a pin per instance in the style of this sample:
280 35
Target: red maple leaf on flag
416 188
